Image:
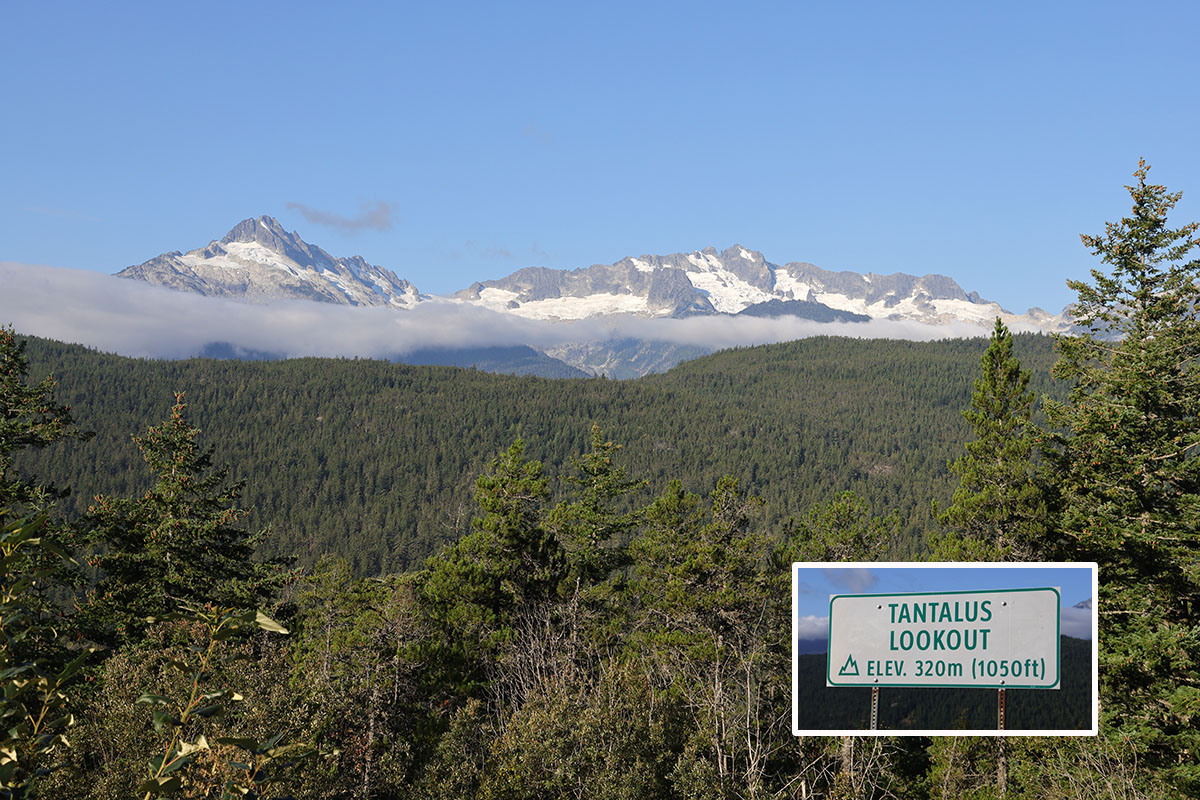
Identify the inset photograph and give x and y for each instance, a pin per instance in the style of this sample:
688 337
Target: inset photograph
944 649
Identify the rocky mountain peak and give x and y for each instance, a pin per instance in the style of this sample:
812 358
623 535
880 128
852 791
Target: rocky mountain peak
267 231
749 265
256 229
742 253
260 260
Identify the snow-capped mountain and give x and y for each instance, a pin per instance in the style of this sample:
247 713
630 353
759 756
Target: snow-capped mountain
734 281
260 261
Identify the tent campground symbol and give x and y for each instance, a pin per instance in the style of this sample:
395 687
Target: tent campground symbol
850 667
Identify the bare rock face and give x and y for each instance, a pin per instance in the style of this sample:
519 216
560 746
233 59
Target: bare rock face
259 261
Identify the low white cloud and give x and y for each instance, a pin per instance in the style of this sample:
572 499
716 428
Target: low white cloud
136 319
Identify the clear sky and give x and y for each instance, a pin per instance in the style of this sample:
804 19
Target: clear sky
454 142
816 584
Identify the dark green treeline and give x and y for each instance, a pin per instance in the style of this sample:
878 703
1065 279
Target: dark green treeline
376 462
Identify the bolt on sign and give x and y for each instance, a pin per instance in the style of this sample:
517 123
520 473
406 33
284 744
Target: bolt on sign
998 638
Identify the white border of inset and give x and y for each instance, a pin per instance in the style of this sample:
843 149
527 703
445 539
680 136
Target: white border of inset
798 565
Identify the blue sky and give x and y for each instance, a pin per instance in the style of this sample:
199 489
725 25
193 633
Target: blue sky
816 584
457 142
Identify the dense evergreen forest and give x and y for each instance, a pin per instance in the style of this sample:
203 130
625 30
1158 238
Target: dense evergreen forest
375 462
527 588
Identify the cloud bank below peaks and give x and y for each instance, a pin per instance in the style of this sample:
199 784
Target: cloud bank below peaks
137 319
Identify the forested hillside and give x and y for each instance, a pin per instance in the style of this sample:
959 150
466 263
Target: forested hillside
375 461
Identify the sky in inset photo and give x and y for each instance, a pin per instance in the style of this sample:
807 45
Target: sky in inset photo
816 583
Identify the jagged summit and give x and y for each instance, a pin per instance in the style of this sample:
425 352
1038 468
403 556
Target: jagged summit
265 230
259 260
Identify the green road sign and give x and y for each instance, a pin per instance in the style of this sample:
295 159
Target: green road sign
998 638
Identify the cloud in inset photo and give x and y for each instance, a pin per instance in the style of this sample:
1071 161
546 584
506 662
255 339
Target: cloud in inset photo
1076 621
854 579
812 627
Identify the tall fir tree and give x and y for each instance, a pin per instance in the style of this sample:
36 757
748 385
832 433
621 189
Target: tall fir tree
179 543
30 417
591 525
1129 475
39 655
709 598
1000 509
470 593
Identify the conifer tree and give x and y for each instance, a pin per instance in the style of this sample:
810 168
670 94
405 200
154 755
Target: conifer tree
1130 477
525 557
843 530
38 660
590 525
179 543
30 417
470 592
999 508
711 626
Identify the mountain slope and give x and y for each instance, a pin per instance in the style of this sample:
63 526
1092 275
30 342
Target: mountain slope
260 261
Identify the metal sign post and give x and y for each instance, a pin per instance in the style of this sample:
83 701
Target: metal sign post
875 708
1001 747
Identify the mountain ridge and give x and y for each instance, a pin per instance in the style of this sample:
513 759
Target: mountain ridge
260 261
733 280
